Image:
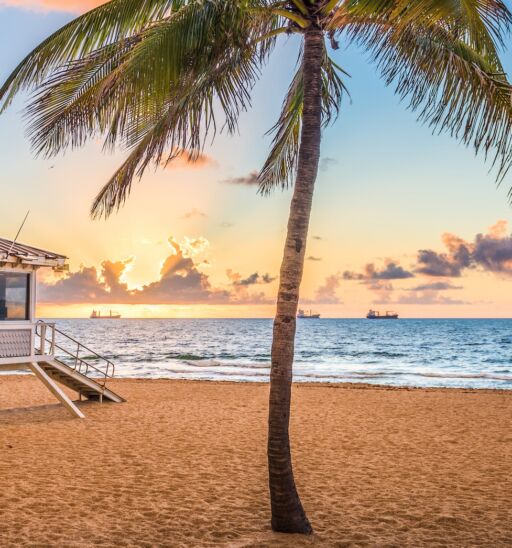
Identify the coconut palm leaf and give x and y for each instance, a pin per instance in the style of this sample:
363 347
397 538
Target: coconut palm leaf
453 85
118 86
480 22
104 25
182 125
279 168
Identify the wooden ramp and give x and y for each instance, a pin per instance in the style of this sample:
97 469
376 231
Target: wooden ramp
84 386
87 380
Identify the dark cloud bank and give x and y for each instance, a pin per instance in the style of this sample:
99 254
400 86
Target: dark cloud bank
391 271
491 252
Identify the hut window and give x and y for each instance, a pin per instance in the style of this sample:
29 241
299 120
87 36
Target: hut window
14 296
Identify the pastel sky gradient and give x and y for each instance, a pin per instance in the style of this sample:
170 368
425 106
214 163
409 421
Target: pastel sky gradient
402 219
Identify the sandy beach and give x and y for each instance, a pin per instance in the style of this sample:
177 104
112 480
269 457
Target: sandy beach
184 464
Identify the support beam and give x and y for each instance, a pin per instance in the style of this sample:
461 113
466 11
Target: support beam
56 390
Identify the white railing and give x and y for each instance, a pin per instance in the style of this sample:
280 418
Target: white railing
50 340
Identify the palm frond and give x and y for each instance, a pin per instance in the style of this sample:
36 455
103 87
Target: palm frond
104 25
183 123
478 22
280 166
452 84
122 84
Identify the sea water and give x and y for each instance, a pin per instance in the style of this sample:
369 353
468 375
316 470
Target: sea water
473 353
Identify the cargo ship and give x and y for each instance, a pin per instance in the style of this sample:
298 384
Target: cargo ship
111 316
375 315
305 315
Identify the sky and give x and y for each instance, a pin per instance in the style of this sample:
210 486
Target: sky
402 219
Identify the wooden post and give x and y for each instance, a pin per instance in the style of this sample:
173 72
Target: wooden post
52 351
43 338
41 374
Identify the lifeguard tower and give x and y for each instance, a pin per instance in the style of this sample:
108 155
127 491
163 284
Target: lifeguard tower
37 346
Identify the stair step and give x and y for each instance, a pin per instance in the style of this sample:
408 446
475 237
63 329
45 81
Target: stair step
72 379
74 374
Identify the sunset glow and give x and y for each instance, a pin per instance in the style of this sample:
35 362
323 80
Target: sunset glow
420 228
76 6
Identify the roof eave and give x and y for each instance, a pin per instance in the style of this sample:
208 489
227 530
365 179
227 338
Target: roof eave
36 262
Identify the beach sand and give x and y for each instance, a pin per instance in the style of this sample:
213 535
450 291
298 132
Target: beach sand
183 463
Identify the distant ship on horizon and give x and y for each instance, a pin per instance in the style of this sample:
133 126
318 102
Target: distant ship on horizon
304 315
96 315
375 315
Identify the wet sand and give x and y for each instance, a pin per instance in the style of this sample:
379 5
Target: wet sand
183 463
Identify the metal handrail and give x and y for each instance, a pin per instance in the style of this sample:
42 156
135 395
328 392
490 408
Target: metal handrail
41 329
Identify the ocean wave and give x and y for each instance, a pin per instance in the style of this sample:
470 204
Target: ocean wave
378 354
384 374
474 353
217 368
216 363
188 357
186 373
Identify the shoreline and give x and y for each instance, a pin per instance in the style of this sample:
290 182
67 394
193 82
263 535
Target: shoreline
183 463
312 384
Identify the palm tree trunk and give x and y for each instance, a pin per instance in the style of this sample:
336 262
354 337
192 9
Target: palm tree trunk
288 515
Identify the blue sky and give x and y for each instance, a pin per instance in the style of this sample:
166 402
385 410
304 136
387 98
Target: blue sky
391 188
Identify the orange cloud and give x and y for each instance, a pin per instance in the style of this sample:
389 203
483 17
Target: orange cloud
328 293
452 242
499 230
184 159
181 282
75 6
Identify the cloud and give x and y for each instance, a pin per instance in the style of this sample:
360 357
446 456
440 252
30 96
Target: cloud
430 293
194 246
431 263
382 289
194 213
449 264
327 293
252 279
249 180
226 224
378 280
74 6
391 271
499 229
491 252
242 287
326 163
428 297
435 286
311 258
180 282
184 159
77 287
424 294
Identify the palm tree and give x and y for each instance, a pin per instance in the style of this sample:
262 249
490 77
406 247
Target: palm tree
158 75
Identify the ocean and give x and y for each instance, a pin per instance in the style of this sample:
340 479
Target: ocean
429 352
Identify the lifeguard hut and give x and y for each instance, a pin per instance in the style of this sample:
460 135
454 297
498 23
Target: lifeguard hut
28 344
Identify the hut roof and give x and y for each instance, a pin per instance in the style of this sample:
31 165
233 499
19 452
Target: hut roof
13 253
